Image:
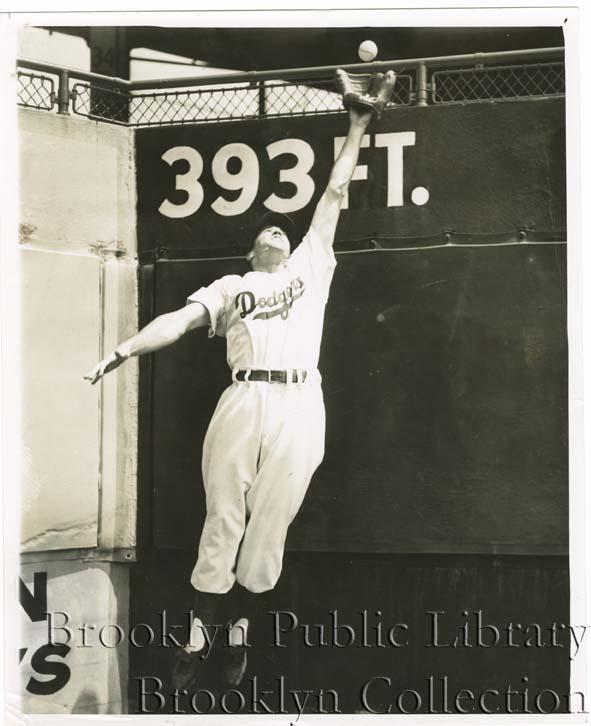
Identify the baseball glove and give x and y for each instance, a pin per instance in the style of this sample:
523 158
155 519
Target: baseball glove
365 91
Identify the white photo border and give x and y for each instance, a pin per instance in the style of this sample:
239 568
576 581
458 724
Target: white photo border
528 14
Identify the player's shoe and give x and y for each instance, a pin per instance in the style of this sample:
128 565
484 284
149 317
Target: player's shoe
235 665
235 659
188 660
185 671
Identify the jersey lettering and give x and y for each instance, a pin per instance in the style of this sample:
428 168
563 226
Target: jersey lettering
284 309
246 300
279 302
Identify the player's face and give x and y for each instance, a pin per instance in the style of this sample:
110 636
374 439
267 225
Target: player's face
271 245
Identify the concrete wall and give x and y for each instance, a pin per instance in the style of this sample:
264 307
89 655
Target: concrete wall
62 670
79 298
61 436
77 182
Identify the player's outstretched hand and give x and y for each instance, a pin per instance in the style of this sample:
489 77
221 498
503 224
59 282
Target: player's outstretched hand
365 93
108 364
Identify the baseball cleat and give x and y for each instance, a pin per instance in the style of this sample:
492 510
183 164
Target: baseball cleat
235 665
235 657
188 659
185 670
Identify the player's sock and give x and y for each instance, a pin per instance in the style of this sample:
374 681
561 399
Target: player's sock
244 607
247 605
206 606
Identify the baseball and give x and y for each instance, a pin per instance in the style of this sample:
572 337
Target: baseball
367 51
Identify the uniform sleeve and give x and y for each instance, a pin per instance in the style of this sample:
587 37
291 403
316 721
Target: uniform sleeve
316 259
214 297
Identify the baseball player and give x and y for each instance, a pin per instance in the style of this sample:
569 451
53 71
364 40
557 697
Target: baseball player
266 436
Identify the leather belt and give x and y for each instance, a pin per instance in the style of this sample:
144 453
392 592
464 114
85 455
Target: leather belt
290 376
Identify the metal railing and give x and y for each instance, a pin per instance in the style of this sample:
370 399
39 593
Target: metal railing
36 91
472 78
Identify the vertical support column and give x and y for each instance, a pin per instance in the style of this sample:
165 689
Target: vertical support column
109 51
262 98
63 93
109 56
422 86
118 404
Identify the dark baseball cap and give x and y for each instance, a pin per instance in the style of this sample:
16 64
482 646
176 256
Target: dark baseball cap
275 219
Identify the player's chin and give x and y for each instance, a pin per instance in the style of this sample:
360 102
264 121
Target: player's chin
276 253
278 244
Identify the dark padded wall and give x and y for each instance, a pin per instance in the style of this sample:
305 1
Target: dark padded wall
446 393
404 588
445 480
445 369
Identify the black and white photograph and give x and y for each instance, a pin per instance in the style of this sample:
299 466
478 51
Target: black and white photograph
294 347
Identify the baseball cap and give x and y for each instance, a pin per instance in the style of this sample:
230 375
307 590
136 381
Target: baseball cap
275 219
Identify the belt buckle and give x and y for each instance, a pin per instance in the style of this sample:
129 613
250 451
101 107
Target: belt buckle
300 375
275 376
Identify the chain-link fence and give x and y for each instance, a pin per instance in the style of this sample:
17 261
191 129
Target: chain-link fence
103 103
35 91
464 85
118 102
243 101
186 105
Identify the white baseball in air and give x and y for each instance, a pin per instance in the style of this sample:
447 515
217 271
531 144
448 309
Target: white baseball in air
367 51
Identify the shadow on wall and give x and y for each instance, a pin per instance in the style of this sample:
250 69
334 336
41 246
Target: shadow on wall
87 702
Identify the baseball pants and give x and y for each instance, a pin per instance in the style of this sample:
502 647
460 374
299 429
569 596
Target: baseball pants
263 444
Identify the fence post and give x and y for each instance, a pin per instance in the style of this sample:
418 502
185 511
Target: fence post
262 99
421 85
63 93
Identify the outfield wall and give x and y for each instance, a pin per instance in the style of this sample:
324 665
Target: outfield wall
79 298
458 486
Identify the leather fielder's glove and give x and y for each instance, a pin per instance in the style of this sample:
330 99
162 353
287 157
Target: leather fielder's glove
365 91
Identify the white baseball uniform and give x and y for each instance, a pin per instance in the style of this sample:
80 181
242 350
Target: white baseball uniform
265 440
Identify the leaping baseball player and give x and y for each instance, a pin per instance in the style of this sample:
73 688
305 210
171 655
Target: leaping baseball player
256 475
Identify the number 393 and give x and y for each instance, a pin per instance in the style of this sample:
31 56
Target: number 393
245 179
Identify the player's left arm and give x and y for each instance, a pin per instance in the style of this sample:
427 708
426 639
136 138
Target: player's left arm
326 215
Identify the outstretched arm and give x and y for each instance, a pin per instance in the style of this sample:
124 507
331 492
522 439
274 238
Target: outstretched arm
162 331
326 215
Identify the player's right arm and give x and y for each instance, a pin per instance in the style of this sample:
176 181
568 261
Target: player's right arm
326 215
162 331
